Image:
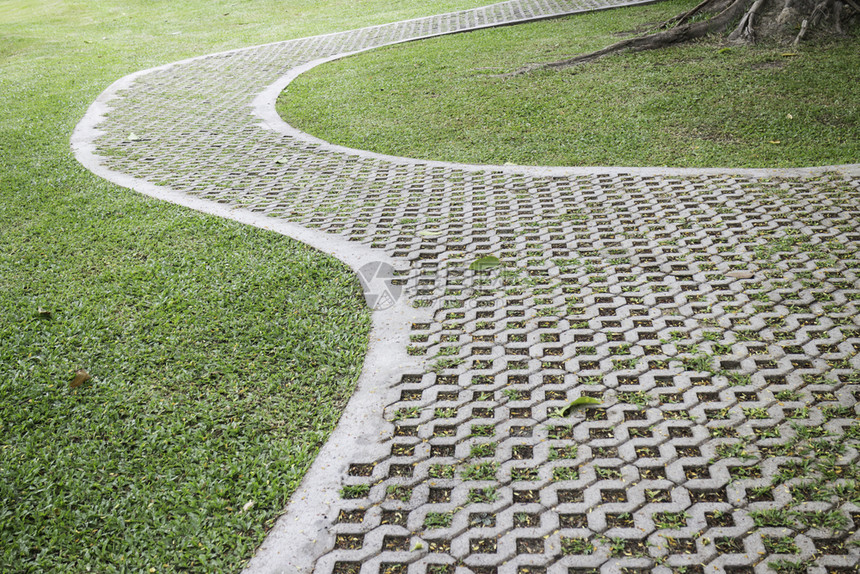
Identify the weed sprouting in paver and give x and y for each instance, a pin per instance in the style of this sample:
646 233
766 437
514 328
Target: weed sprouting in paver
699 363
524 474
562 452
438 519
789 567
787 395
483 495
449 363
671 520
734 450
780 545
399 492
482 450
576 546
406 413
480 471
514 394
832 520
793 469
723 432
637 398
591 380
354 491
607 473
565 473
756 413
772 517
441 471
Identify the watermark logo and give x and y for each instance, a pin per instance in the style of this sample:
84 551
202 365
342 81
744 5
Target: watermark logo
377 281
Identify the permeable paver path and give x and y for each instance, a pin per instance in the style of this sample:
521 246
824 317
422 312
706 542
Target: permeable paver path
714 314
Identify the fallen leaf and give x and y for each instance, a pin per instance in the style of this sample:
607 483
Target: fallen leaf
44 313
775 142
789 54
81 377
483 263
580 402
789 116
248 506
740 274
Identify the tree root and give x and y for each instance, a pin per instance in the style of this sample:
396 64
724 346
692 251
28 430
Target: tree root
837 17
678 34
823 9
704 6
744 30
803 28
726 12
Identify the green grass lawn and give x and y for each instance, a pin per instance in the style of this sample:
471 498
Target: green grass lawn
220 355
700 105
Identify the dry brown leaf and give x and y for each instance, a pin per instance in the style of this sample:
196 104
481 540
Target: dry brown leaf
81 377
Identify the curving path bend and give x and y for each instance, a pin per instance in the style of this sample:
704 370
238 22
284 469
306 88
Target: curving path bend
716 314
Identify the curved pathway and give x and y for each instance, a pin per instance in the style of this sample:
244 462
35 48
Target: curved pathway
713 312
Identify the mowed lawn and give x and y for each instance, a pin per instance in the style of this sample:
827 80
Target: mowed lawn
220 356
704 104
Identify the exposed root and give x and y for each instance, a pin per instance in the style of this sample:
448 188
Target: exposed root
676 35
753 17
704 6
820 11
744 30
803 28
837 17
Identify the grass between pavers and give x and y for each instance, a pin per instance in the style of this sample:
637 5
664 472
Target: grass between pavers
700 105
221 355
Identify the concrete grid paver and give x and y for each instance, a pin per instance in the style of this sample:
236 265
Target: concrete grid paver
714 314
